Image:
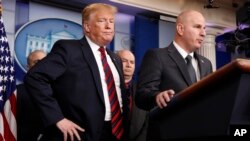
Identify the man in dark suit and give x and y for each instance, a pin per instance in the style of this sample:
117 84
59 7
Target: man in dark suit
138 117
29 123
165 72
71 88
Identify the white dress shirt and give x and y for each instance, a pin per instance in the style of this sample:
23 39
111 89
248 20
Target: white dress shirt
184 54
94 47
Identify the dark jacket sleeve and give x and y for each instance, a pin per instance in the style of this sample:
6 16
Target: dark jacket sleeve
149 79
38 82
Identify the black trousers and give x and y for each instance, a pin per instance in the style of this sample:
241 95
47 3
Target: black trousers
107 132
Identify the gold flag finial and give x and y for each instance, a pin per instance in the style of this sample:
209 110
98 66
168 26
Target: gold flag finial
1 9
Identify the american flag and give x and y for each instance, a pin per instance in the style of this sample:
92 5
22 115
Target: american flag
7 88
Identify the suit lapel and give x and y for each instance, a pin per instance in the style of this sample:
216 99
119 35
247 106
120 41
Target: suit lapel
89 56
180 62
115 61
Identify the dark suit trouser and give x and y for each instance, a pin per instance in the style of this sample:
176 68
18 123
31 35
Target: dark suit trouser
107 132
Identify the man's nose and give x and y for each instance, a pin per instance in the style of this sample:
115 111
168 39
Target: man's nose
108 25
128 65
203 33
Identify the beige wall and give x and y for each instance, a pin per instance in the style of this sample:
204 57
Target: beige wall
222 18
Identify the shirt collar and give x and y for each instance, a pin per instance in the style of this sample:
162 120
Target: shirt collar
93 45
182 51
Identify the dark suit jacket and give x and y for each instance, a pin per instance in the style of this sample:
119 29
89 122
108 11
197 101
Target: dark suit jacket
29 123
66 84
138 120
164 69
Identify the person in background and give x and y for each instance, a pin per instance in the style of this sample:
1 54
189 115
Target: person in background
29 123
35 57
167 71
79 87
138 117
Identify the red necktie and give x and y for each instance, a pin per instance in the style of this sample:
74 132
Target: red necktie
116 116
130 95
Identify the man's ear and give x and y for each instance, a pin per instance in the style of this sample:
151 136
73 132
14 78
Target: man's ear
86 27
180 28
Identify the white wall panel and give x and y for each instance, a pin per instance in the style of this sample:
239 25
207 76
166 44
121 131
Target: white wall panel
40 11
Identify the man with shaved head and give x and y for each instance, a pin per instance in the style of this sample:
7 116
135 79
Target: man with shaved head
138 117
166 71
35 57
128 61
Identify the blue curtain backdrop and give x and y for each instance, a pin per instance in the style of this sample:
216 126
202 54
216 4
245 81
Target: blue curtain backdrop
146 37
223 55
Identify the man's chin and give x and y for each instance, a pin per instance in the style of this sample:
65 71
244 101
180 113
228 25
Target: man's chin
128 75
108 40
198 47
